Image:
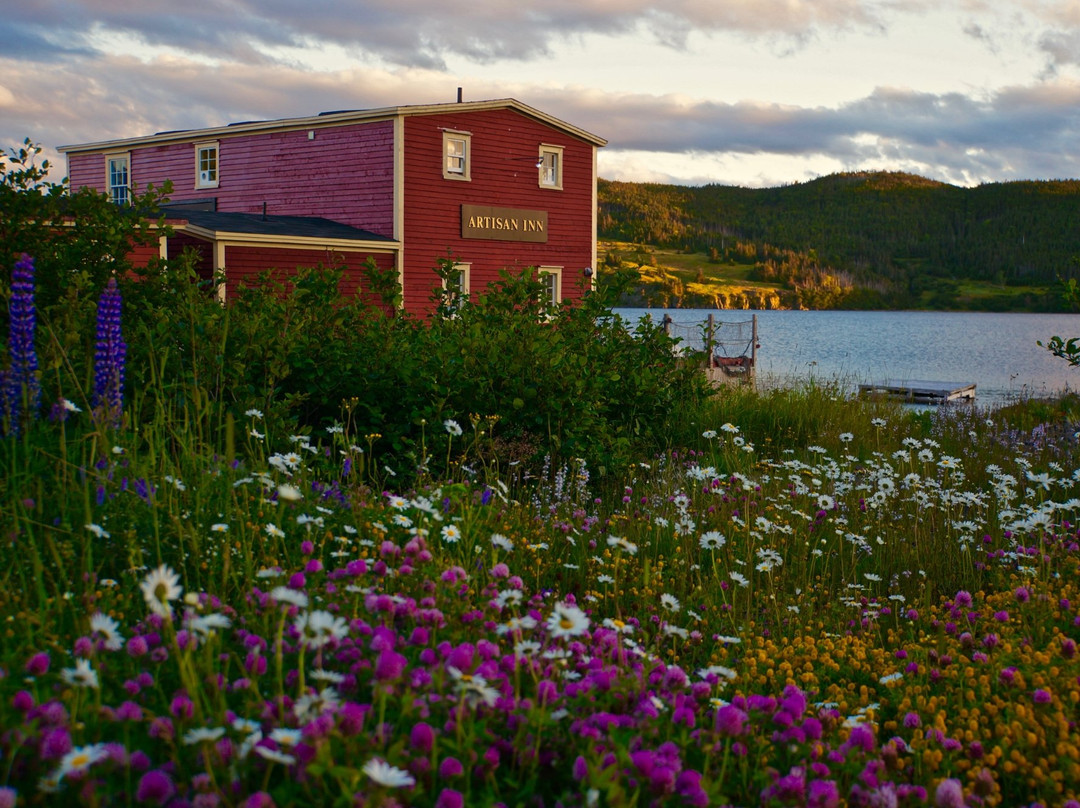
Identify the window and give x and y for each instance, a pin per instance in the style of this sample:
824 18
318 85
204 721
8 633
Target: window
550 165
206 165
116 176
551 279
456 156
457 287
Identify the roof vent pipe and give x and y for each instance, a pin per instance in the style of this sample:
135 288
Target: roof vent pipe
459 95
264 211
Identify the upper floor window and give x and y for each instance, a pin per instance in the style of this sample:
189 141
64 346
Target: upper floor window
206 165
457 158
551 166
117 179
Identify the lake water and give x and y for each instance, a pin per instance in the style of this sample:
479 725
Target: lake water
997 352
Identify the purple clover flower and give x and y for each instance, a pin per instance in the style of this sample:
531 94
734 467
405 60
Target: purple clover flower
109 355
21 385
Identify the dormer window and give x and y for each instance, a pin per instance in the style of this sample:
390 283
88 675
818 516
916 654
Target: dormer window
550 165
206 165
118 179
457 158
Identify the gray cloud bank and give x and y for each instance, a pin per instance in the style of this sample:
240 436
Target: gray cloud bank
58 85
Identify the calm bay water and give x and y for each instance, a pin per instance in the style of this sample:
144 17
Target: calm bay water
998 352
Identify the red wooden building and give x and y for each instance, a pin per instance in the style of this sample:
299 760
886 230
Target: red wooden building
494 184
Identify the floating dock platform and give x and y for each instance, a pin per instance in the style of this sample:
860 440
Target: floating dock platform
921 392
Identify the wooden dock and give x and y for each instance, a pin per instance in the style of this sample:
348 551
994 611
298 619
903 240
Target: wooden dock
921 391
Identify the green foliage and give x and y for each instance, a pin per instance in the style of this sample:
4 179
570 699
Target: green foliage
1067 349
78 241
866 239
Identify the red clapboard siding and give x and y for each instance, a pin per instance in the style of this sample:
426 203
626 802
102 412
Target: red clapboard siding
204 263
346 173
243 264
141 254
504 146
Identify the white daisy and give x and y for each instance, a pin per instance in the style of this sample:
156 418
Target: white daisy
289 493
474 688
382 772
275 756
567 621
623 544
159 588
109 630
286 737
311 705
282 594
207 625
669 602
451 533
82 675
713 540
203 734
322 675
318 628
81 758
507 597
452 427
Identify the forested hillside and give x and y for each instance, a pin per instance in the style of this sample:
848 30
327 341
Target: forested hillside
884 239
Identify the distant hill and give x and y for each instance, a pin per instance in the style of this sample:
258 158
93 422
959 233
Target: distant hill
868 239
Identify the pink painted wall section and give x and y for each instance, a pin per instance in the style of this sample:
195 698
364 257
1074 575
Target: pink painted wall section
345 173
504 148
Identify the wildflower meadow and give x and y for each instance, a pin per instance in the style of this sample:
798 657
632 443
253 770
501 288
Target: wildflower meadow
216 594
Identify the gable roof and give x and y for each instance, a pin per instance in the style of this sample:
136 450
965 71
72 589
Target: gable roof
334 118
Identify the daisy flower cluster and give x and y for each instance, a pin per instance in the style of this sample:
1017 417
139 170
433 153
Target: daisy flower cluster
890 621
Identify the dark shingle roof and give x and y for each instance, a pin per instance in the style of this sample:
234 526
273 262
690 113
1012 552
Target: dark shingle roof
270 225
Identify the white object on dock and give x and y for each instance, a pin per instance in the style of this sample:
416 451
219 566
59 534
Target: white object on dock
921 391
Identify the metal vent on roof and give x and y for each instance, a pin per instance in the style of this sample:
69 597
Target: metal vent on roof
337 112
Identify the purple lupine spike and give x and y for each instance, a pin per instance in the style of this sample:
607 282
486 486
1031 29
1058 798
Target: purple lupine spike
110 354
22 385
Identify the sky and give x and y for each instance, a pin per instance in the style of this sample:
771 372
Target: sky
737 92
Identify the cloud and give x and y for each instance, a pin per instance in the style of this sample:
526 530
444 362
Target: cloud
230 60
417 33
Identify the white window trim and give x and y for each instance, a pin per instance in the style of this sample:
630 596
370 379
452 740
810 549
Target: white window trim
466 174
126 157
455 302
463 268
557 151
199 147
557 272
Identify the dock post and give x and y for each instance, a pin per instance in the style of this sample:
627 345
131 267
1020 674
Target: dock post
709 336
753 350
